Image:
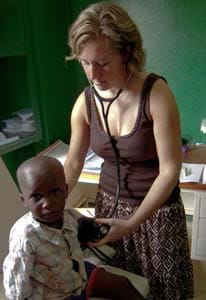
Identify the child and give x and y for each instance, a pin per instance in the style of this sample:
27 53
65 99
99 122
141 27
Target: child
45 260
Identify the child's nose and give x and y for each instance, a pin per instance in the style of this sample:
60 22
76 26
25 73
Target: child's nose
47 202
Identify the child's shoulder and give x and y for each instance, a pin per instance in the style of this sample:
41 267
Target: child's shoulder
72 213
22 233
23 226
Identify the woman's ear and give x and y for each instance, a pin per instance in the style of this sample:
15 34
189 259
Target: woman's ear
127 54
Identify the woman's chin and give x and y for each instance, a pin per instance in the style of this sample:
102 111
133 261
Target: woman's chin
101 86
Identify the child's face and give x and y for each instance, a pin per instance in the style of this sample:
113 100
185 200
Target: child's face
45 195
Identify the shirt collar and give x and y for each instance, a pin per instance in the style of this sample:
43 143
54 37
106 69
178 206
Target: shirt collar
49 233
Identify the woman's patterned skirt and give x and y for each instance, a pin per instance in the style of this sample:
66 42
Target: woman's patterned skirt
158 249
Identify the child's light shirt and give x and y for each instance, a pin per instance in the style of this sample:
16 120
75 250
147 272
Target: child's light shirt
40 262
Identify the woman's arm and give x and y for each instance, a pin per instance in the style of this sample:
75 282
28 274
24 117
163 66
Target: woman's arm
79 142
167 135
166 126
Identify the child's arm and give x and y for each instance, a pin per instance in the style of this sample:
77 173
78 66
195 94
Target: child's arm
17 269
112 286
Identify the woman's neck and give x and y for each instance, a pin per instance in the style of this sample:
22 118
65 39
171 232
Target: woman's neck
114 92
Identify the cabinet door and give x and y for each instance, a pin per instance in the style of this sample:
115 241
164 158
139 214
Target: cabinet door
199 227
11 24
19 117
203 206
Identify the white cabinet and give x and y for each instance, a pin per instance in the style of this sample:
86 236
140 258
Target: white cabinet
195 205
198 250
188 198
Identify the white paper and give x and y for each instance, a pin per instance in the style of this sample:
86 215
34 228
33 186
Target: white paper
92 162
60 152
204 175
191 172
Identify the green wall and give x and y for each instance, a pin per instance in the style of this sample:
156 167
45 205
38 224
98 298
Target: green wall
78 81
44 47
54 84
49 35
174 35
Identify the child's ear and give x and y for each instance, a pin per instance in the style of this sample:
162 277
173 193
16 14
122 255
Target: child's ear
66 190
23 200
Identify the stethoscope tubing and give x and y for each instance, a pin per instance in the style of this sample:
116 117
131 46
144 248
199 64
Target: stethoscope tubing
112 142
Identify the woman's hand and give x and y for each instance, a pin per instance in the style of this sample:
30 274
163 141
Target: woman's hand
118 229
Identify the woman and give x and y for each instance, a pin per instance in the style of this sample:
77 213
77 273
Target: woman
130 118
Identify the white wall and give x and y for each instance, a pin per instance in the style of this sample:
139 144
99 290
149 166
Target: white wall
11 208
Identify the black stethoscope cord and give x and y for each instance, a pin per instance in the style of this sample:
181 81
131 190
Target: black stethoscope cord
112 141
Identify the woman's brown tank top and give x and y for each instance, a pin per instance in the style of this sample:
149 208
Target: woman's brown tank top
139 165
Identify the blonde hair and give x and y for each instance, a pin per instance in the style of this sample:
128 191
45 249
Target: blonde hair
109 19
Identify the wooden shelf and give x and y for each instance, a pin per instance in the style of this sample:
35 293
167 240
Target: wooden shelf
196 155
19 143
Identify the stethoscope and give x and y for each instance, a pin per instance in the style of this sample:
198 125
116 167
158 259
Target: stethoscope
105 113
103 227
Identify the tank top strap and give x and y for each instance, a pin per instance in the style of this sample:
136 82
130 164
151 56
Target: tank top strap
145 93
87 92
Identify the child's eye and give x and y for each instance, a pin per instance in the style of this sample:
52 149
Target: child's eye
36 197
55 192
103 64
84 63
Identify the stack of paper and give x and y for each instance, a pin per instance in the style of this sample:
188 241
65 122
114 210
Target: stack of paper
92 162
192 172
58 150
204 175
